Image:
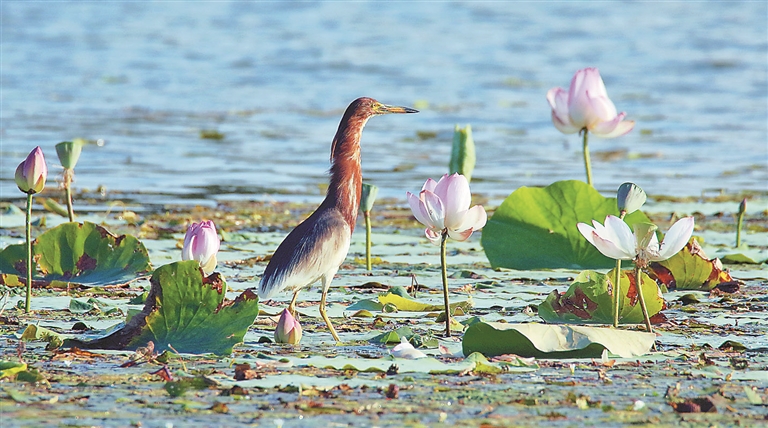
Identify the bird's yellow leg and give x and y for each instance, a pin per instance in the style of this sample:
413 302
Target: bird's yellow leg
326 285
292 305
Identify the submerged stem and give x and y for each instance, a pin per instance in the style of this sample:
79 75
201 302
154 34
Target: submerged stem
639 285
29 253
587 163
367 217
443 265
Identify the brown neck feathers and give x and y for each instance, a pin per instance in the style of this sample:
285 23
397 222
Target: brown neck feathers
346 177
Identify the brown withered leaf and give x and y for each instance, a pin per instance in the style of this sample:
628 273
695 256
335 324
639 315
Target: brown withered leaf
690 269
76 353
164 374
244 372
695 405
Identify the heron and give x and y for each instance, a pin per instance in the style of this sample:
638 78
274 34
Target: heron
317 247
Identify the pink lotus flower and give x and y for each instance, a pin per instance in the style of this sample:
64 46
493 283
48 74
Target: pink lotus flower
288 329
201 243
32 172
616 240
443 207
586 106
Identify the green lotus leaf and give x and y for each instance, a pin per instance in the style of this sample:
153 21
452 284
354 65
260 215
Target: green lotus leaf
79 253
589 300
690 269
410 305
187 311
10 368
553 341
535 228
35 332
393 336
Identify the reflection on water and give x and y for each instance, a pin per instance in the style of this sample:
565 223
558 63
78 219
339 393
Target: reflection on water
275 77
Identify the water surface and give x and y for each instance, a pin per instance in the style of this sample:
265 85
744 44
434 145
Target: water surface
275 77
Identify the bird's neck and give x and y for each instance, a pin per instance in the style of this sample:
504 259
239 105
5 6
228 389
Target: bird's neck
346 176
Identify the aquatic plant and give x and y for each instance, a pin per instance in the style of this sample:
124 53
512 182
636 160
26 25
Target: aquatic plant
585 107
69 153
443 207
547 216
367 198
30 178
462 152
201 243
740 220
629 198
288 329
616 240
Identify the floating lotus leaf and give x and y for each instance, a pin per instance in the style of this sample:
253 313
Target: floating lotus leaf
393 336
553 341
10 368
410 305
690 269
535 228
185 310
589 300
78 253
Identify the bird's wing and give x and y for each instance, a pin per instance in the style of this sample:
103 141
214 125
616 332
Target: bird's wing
314 248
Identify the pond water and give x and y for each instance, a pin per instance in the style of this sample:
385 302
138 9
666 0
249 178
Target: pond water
274 78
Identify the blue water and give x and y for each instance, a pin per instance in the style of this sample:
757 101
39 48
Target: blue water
274 78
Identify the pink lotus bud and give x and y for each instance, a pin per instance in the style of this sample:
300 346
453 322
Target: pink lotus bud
288 329
201 243
31 174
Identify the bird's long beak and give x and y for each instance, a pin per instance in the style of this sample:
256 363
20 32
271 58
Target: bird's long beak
385 109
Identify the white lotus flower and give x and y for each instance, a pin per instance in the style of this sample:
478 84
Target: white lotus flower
616 240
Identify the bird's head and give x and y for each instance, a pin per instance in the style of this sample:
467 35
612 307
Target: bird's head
370 107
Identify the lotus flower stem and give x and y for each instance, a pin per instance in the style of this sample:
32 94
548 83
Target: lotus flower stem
616 293
29 253
367 217
587 163
443 267
639 286
740 220
617 285
68 191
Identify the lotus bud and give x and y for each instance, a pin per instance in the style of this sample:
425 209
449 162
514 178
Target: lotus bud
463 152
630 197
288 329
69 152
740 220
201 243
32 172
368 197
